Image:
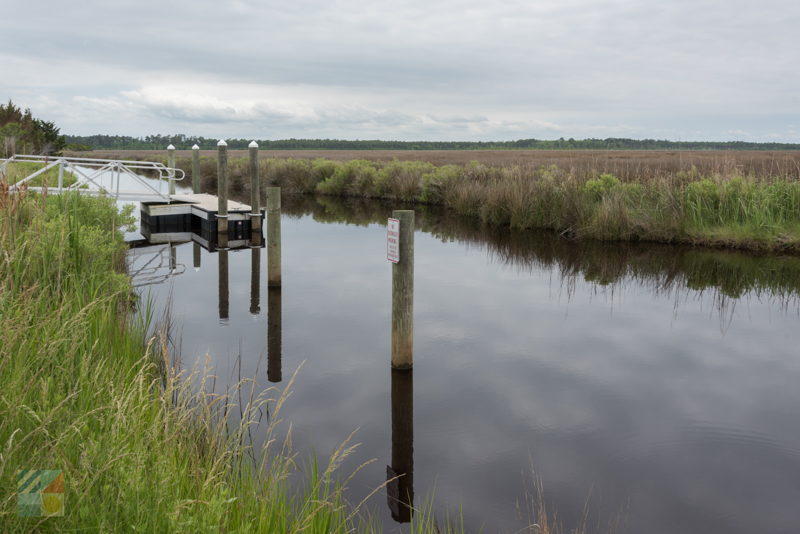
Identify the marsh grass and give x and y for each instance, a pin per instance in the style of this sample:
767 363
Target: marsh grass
746 200
143 445
731 210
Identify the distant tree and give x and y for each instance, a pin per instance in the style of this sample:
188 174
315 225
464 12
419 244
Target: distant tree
22 132
184 142
10 132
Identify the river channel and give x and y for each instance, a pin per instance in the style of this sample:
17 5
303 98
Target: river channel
655 387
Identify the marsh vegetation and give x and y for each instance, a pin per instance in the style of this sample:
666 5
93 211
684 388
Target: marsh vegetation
748 200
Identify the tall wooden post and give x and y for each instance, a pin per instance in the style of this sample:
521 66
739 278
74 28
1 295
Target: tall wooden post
274 334
400 491
274 236
255 196
403 294
222 193
171 165
196 169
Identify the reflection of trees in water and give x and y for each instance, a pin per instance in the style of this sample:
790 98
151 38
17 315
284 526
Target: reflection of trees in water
679 271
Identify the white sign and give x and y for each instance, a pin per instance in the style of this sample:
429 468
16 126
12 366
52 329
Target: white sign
393 240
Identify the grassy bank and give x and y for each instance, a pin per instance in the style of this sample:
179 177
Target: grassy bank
85 392
727 210
726 200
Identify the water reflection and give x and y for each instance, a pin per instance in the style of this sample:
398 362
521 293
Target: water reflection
196 255
274 334
663 269
222 257
153 264
173 258
400 490
255 280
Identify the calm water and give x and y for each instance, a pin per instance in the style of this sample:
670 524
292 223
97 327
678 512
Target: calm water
658 383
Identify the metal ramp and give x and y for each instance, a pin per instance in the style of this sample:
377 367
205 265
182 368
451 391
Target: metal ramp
101 176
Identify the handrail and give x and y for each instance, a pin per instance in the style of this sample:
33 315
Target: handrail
88 170
173 173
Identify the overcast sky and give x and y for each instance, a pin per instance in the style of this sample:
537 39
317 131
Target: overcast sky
415 69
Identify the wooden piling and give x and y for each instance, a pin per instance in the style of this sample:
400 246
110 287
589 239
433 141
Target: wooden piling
171 165
403 294
222 193
273 236
196 169
255 196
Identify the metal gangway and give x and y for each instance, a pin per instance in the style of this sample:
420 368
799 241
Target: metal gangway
92 174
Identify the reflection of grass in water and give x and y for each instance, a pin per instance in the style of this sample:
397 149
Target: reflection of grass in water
16 171
663 268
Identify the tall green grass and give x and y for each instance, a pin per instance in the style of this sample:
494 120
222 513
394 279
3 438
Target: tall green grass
141 447
726 210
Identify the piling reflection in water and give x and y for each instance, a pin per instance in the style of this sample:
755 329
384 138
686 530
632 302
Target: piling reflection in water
222 255
274 334
255 281
400 490
173 258
196 255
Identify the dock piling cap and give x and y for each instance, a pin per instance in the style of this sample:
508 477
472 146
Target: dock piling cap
195 147
170 147
222 143
253 144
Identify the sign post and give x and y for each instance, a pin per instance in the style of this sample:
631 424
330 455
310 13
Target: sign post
400 251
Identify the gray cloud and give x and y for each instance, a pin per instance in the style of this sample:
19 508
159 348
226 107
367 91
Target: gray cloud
409 70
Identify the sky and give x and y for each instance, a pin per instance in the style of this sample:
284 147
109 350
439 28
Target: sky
408 69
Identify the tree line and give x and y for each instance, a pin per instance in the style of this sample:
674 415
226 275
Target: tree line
22 133
184 142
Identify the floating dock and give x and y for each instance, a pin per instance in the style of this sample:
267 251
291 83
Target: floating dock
194 217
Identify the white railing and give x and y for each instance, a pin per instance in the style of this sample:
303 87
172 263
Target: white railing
89 171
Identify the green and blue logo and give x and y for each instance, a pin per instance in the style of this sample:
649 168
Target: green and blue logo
40 492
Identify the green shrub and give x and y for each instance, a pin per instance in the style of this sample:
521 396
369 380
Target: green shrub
602 186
